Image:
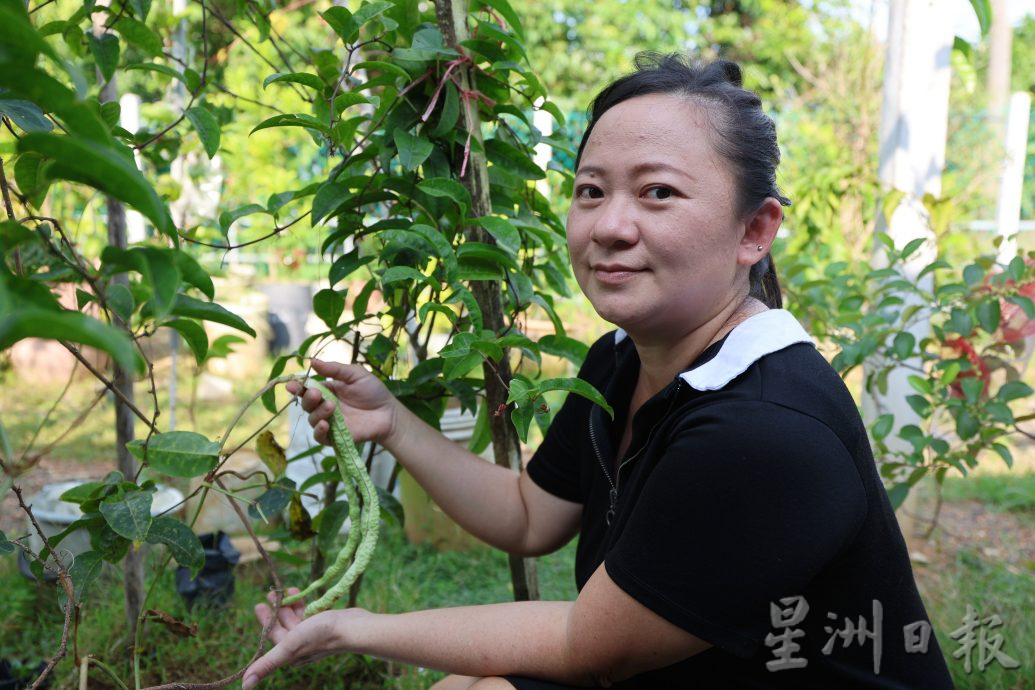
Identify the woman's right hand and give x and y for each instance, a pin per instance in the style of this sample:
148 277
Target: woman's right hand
367 405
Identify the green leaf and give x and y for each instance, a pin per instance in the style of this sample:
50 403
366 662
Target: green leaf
988 314
897 494
274 500
920 385
413 149
347 100
163 69
30 174
289 120
328 304
960 322
911 247
157 266
1015 269
450 111
370 10
207 127
343 23
378 66
331 520
128 515
481 436
983 11
18 38
563 346
6 546
319 477
919 404
102 167
327 198
83 571
521 418
1024 303
178 453
1004 453
120 299
194 274
442 246
513 160
228 218
579 387
184 545
391 510
105 50
505 234
140 35
141 8
82 492
973 274
209 311
952 370
882 427
345 265
26 115
445 187
304 78
194 335
999 411
964 48
903 344
967 425
72 326
1013 390
395 274
507 12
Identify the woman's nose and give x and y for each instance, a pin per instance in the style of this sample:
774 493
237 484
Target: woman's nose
616 223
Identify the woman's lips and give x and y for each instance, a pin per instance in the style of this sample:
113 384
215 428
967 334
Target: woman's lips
615 274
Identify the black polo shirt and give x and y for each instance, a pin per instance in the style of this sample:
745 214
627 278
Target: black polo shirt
749 512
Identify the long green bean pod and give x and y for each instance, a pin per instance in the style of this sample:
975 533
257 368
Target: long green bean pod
365 519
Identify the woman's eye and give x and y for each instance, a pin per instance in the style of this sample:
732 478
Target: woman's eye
588 191
657 193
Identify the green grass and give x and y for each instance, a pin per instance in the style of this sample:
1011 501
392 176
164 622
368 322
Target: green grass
1005 492
991 588
403 577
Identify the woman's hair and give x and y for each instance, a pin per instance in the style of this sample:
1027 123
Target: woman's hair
745 136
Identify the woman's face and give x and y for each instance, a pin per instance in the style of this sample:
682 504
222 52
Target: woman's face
653 229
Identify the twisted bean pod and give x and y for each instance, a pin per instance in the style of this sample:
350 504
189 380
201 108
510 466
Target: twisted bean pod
365 519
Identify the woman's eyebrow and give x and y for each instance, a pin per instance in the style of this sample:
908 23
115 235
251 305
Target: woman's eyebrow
638 169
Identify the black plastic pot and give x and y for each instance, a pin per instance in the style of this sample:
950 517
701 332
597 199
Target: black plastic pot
12 680
214 585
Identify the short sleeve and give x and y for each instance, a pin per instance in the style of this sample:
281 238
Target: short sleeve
747 505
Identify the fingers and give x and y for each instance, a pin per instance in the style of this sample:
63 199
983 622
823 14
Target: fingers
288 616
346 373
265 665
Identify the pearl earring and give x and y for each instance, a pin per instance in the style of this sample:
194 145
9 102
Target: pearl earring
759 247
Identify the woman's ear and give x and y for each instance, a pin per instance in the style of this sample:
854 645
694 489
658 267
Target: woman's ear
759 232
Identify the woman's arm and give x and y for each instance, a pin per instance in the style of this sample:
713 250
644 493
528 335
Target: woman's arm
502 507
602 637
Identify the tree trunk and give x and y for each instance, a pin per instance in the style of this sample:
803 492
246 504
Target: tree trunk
452 22
133 564
914 123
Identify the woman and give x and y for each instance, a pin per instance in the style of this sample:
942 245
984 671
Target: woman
733 529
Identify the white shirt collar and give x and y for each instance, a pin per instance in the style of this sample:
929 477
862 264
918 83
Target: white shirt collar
752 339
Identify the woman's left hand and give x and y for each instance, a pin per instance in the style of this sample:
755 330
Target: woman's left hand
297 640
